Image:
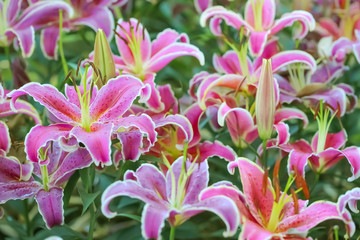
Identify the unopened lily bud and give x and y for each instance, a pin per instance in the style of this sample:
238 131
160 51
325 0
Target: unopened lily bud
265 101
103 60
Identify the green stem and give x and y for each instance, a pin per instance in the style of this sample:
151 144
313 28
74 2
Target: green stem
61 49
7 53
336 232
317 176
27 220
92 221
264 156
172 233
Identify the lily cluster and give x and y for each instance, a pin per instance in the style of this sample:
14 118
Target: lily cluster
112 115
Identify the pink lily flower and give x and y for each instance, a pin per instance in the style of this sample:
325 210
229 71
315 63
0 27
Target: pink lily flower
266 212
302 88
259 22
143 58
21 25
174 196
324 150
91 117
350 198
16 181
343 46
19 107
243 75
202 5
94 14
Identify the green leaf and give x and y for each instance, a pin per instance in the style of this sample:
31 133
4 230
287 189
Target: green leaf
87 199
70 188
87 177
134 217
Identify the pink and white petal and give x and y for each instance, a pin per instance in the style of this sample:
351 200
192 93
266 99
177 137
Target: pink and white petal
306 20
51 206
153 220
39 136
310 217
42 13
131 189
327 27
144 127
124 30
238 121
252 230
283 134
48 42
73 161
211 149
340 48
172 51
298 161
326 73
26 38
222 206
260 204
352 154
20 106
285 58
165 38
231 18
196 80
267 14
202 5
101 18
228 63
12 170
193 114
149 177
180 121
154 102
48 96
333 140
12 11
97 141
350 198
18 190
115 98
5 142
168 98
257 42
230 191
285 114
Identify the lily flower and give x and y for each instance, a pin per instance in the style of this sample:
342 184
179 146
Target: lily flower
350 198
21 25
94 14
202 5
324 150
89 115
143 58
19 107
176 196
266 213
259 22
242 74
16 181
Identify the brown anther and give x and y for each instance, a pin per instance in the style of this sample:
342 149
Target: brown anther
276 184
67 76
117 34
305 188
296 201
78 66
51 146
143 33
338 111
265 181
276 169
239 85
137 25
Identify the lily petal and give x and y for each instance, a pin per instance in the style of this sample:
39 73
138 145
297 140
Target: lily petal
5 142
51 206
48 42
18 190
153 220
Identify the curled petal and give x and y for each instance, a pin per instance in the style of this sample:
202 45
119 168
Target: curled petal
178 120
5 142
48 42
202 5
208 149
18 190
220 205
352 154
12 170
306 19
51 206
26 39
298 157
167 37
282 59
39 136
284 114
20 106
131 189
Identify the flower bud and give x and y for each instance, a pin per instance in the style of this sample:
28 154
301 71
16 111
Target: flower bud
103 60
265 101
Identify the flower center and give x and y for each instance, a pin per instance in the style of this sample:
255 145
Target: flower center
297 76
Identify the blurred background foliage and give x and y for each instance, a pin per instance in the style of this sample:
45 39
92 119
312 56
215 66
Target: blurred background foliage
157 16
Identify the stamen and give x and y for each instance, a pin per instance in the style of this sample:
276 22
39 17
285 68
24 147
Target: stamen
296 201
117 34
265 181
78 66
